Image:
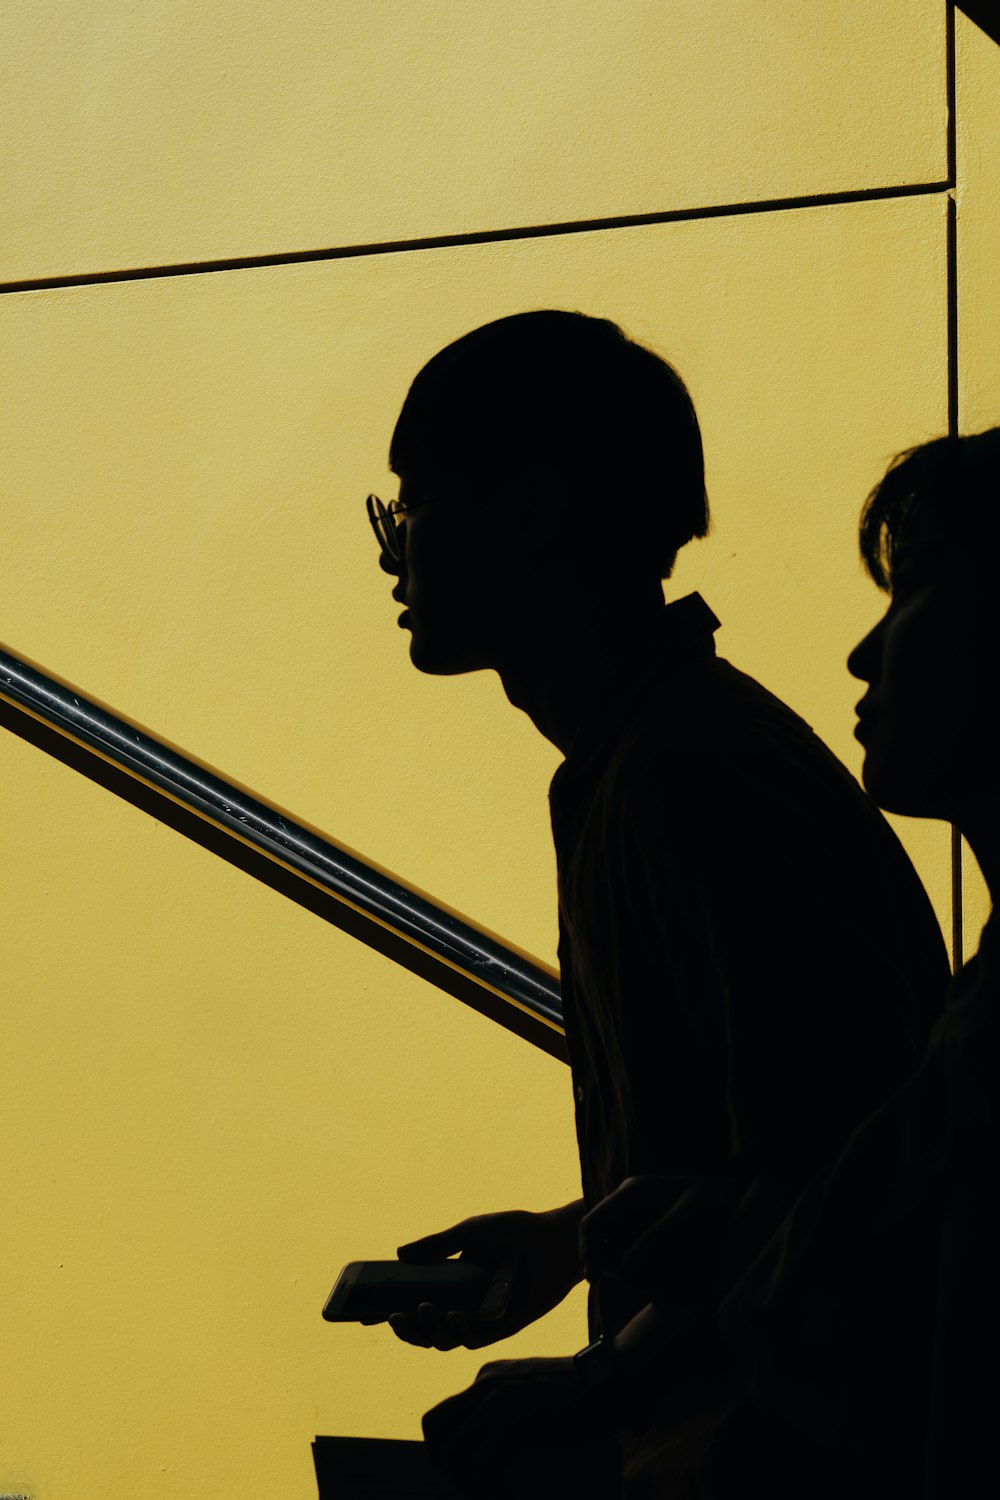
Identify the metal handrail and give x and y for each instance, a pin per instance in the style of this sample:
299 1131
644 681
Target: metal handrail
528 990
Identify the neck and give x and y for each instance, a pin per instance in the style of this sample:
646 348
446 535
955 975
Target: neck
573 658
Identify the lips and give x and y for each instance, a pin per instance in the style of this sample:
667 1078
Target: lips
865 711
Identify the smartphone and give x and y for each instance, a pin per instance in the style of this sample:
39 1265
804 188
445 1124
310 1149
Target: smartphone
369 1290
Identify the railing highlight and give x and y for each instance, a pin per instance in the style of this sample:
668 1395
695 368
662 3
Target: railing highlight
373 905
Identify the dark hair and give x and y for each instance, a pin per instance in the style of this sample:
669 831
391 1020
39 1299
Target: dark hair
955 484
561 387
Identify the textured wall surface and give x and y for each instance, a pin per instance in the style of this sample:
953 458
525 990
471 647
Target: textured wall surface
152 134
212 1100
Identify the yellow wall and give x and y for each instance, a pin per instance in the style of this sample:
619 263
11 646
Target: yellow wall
978 195
211 1099
154 134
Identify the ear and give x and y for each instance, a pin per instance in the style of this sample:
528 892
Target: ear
546 494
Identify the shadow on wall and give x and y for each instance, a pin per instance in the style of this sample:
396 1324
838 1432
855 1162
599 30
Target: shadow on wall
986 14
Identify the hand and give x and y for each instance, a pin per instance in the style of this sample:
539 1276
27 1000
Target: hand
658 1228
516 1412
535 1254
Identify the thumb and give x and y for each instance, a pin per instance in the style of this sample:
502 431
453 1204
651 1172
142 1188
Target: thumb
498 1293
436 1246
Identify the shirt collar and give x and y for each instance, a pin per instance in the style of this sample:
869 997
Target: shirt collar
683 633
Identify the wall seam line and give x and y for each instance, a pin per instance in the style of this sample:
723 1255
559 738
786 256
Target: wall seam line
957 894
480 237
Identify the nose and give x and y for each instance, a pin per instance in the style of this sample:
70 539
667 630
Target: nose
865 661
395 569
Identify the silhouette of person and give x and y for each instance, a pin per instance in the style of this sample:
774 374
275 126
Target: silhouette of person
867 1330
748 962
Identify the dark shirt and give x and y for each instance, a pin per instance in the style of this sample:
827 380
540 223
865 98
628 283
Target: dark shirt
749 963
868 1329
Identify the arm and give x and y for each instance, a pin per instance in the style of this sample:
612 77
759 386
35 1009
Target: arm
791 953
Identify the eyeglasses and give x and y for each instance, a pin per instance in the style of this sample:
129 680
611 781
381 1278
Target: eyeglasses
387 524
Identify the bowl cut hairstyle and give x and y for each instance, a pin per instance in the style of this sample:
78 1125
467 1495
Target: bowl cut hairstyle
572 391
954 483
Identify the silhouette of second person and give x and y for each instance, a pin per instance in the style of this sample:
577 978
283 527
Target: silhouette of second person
749 964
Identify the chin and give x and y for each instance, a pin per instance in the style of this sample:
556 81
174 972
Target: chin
441 659
901 790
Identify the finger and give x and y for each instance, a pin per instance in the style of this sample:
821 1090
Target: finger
623 1190
481 1427
456 1330
422 1328
477 1337
435 1246
407 1327
591 1229
599 1231
629 1199
432 1329
443 1422
498 1293
666 1238
428 1321
613 1210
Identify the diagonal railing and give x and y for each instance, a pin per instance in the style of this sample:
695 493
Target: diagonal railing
338 884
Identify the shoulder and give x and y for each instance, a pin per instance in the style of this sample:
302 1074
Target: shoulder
721 774
712 741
